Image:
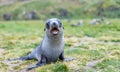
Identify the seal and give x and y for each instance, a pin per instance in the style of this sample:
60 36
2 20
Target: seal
52 46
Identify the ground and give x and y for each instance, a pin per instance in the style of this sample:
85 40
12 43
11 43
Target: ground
96 48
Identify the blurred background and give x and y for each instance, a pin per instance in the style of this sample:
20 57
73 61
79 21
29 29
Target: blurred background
70 9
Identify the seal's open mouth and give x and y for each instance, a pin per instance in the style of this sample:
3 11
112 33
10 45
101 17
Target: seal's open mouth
55 31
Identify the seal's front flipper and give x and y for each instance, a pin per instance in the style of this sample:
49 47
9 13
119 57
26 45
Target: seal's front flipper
69 59
21 58
62 56
35 66
25 58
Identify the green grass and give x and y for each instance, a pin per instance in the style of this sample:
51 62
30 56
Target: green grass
85 43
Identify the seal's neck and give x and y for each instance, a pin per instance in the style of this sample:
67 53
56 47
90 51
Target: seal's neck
55 39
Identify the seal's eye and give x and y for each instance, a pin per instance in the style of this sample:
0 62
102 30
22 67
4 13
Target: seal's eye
60 24
47 25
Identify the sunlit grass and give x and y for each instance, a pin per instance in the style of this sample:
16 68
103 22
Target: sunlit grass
85 43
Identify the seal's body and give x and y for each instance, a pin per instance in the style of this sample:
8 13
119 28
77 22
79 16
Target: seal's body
52 46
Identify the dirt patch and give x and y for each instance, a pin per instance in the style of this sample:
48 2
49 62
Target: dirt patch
91 64
12 63
74 65
1 51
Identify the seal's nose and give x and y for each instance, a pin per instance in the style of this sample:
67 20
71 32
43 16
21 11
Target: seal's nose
54 23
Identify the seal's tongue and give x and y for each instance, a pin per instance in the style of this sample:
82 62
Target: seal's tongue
54 31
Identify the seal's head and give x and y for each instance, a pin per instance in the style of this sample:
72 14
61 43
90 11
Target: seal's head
54 27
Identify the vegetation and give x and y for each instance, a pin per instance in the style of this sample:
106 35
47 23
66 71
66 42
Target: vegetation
63 8
95 47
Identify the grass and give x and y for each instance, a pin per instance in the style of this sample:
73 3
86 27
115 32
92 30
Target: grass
86 43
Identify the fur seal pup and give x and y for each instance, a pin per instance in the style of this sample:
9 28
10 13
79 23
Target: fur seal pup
52 46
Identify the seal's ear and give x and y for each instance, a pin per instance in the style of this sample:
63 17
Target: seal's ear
44 29
63 27
47 25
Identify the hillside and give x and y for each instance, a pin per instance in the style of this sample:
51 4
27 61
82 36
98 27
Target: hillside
60 8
